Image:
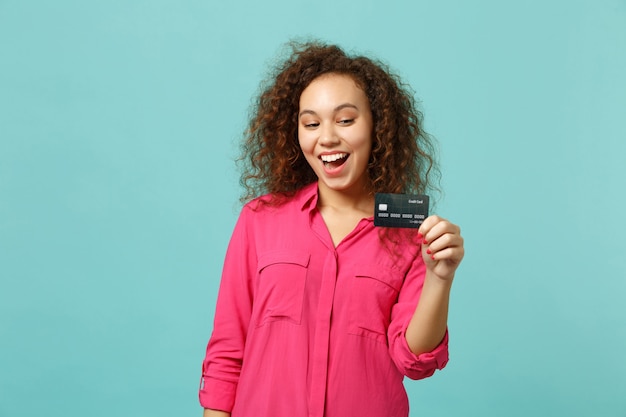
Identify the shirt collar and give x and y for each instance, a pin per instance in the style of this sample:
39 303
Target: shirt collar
307 196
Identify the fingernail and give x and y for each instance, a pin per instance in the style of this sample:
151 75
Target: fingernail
432 257
419 235
424 241
428 251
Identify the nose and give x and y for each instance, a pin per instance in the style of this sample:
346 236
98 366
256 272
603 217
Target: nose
328 135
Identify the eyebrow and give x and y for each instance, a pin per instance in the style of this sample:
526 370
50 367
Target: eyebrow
335 110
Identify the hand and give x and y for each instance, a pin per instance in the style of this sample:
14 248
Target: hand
442 246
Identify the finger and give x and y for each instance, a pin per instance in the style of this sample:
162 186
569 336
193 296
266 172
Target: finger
447 240
440 228
450 254
428 224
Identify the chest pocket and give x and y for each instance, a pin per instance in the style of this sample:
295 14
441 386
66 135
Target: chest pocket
281 278
375 290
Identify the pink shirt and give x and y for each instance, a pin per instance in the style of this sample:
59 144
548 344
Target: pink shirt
303 328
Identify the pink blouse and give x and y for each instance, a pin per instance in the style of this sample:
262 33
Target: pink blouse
304 328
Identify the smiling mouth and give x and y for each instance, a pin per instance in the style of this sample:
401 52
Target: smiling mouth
335 160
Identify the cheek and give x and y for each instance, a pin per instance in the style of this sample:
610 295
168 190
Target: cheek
306 144
365 143
300 135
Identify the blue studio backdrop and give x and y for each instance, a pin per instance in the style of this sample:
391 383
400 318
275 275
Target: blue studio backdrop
119 125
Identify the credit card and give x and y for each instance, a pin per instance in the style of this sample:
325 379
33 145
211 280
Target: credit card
400 210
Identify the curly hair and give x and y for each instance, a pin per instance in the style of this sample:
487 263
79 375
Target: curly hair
403 155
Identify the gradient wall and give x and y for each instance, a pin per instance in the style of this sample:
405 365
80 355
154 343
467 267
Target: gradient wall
119 123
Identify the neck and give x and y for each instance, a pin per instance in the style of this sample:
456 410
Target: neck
358 199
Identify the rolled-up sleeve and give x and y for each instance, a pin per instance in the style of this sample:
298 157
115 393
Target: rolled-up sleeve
423 365
409 364
222 364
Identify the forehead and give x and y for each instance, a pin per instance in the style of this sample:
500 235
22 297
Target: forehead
332 88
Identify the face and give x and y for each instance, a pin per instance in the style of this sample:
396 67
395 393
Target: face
335 132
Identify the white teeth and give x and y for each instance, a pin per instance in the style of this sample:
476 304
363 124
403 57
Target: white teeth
333 157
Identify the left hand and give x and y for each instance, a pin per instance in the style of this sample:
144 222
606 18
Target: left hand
442 246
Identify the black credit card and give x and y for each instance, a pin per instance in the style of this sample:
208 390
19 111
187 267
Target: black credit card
400 210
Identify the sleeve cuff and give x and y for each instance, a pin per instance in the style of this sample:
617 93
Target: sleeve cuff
217 394
423 365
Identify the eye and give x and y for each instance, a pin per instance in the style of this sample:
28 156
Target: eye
345 121
311 125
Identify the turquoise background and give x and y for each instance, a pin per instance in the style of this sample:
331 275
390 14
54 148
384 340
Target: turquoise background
119 123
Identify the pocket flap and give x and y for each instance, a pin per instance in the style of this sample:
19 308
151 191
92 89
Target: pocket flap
283 257
391 277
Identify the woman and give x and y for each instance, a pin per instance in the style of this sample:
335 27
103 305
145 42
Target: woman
320 313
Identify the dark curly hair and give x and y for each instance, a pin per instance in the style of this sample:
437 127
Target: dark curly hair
403 155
